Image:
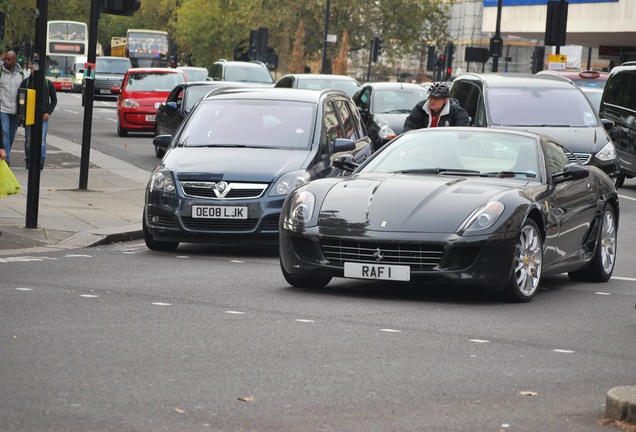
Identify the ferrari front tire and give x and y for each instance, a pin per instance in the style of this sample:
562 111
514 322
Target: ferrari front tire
528 261
602 264
305 281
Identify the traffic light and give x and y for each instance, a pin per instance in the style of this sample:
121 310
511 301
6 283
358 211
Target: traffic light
258 43
536 59
376 48
448 64
119 7
430 59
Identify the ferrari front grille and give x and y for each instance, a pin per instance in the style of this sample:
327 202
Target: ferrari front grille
419 257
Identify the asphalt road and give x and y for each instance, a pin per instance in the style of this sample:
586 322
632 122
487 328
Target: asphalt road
123 338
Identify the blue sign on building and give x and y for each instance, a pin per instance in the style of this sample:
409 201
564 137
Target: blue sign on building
488 3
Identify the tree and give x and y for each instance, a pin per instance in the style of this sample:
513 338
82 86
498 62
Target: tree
341 64
298 59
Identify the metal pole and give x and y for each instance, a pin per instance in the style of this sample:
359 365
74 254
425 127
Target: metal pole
88 97
35 151
498 41
323 68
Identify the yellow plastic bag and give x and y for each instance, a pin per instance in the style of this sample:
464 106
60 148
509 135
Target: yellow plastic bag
8 183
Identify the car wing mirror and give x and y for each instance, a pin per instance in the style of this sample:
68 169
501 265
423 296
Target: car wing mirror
115 90
571 172
607 123
345 163
343 145
171 105
162 141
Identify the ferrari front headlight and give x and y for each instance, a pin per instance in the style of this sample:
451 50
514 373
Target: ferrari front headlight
300 210
484 217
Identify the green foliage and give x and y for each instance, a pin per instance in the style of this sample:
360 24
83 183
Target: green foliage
206 30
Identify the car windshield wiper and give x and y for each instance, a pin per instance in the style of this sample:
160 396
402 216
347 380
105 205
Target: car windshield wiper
507 174
445 171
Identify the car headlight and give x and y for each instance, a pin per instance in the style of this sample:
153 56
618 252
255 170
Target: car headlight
484 217
386 133
288 182
129 103
300 210
161 180
607 153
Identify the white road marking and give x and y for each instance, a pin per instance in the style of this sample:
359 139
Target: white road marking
77 256
624 278
182 257
602 293
235 312
24 289
391 330
563 351
479 340
236 261
24 259
626 197
162 304
305 320
89 295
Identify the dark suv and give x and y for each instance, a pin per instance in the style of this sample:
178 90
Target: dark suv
109 72
236 157
251 72
542 104
618 104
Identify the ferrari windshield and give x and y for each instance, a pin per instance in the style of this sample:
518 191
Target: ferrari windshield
452 151
249 123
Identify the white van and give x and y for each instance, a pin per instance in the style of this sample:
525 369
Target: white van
78 73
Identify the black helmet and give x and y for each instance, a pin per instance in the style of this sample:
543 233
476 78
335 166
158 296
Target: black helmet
439 89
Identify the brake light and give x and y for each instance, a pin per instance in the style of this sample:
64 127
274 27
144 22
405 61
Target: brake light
589 74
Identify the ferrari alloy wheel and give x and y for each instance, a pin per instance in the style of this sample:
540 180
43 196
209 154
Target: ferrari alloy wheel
305 281
601 266
527 264
153 244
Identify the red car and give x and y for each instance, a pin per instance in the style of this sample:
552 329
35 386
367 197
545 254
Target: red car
142 91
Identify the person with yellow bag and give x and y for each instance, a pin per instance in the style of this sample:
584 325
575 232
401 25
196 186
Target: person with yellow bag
8 183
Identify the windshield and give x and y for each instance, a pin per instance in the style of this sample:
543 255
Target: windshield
59 66
464 152
396 101
534 106
250 123
153 81
112 66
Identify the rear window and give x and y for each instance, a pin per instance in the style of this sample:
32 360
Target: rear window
248 74
621 90
540 107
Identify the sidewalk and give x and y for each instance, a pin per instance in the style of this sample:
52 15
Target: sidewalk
109 210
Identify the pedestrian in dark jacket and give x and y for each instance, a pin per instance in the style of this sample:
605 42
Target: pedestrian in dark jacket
50 102
437 111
